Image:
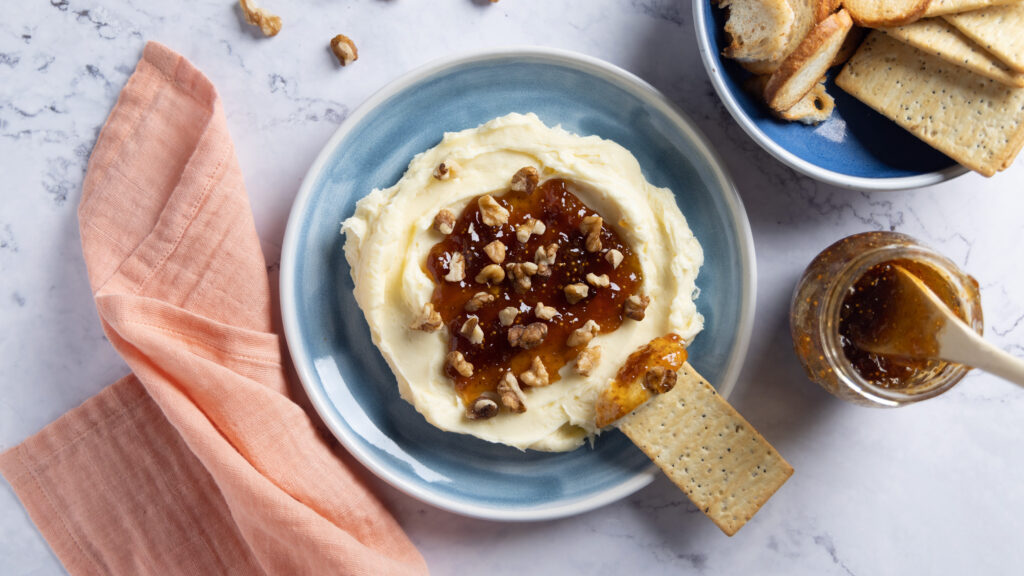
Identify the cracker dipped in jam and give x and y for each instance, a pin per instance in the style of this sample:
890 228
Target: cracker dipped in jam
529 287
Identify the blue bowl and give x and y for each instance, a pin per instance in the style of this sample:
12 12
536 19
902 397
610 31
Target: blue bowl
348 381
856 148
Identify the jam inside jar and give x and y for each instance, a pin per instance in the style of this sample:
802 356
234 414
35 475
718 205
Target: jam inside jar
844 290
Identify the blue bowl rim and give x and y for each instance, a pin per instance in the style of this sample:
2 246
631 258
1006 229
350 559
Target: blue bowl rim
290 316
700 17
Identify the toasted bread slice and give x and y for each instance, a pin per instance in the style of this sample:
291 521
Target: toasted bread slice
884 13
825 8
853 39
808 63
804 13
814 108
758 28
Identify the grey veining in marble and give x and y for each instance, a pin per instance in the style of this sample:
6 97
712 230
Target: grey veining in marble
932 489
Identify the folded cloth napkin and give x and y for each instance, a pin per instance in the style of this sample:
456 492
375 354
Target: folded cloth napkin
199 462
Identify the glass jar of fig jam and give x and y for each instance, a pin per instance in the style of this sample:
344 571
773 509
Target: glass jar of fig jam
844 287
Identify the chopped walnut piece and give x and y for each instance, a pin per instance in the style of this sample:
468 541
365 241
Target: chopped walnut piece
576 292
495 251
635 307
537 375
508 315
614 257
344 49
457 362
591 227
472 331
660 379
529 228
583 335
587 360
521 272
456 268
445 170
596 281
444 222
484 407
546 254
429 320
544 312
478 301
492 213
528 336
545 259
525 180
491 274
511 394
269 24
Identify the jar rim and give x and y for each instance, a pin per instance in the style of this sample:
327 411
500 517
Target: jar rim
828 322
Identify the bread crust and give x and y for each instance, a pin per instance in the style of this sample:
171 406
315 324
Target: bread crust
787 85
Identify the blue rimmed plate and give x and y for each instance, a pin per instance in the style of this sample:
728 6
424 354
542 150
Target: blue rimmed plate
349 382
857 148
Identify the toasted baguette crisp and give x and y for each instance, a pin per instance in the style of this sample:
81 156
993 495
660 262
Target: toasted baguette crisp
885 13
853 39
938 37
814 108
804 18
808 63
974 120
943 7
758 28
825 8
999 30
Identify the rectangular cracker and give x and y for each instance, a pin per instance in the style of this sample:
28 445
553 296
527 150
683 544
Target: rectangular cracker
974 120
938 37
708 450
999 29
941 7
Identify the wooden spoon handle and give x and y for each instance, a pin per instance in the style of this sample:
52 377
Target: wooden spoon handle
958 343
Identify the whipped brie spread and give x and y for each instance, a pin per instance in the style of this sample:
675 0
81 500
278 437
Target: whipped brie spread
389 237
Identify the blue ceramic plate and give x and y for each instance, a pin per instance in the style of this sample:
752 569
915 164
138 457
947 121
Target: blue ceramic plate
856 148
349 382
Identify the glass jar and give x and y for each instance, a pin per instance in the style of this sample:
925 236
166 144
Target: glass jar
818 304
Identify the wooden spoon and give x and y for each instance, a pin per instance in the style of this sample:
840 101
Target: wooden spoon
915 323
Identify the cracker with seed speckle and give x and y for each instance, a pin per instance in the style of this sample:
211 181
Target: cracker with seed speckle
940 7
708 450
975 120
999 29
938 37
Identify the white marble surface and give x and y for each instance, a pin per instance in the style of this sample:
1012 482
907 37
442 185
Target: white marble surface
931 489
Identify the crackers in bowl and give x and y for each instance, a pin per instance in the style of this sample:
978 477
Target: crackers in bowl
950 72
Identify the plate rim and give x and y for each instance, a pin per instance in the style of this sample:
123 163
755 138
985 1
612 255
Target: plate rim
700 15
289 314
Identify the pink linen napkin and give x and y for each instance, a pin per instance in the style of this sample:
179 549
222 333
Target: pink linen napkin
198 462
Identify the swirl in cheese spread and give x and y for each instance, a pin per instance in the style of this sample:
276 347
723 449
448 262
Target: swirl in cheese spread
390 235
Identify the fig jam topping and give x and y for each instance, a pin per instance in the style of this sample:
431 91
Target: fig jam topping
526 312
